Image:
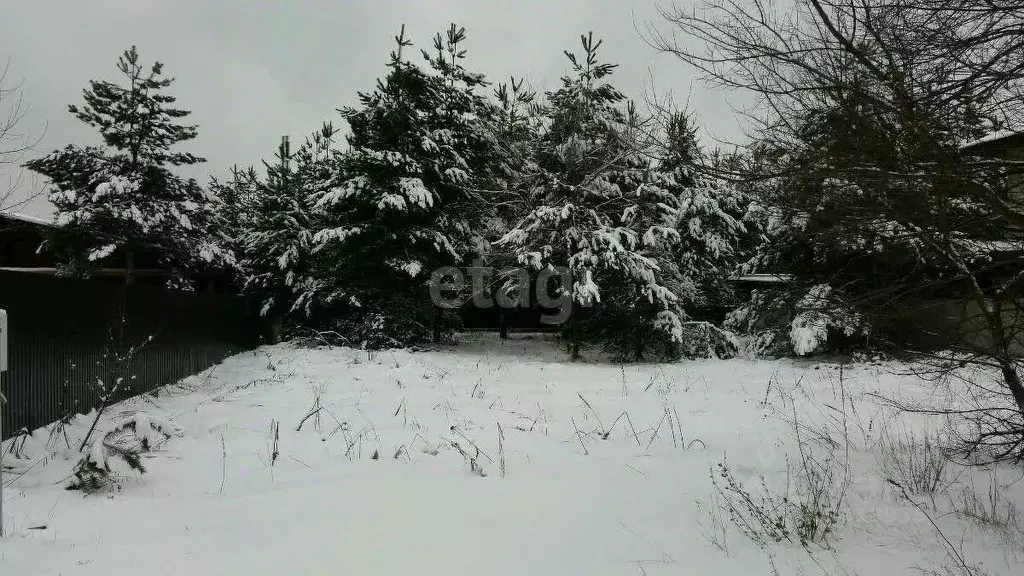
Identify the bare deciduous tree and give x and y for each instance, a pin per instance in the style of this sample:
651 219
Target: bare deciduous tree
863 110
15 143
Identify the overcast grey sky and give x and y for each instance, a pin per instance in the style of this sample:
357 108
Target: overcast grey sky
251 71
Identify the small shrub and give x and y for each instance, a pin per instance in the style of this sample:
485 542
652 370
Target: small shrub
809 508
990 509
762 519
806 511
705 340
917 463
16 446
757 325
817 511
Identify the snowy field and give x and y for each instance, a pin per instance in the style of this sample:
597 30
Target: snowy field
490 459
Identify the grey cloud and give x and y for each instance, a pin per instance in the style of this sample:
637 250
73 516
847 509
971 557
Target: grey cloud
255 70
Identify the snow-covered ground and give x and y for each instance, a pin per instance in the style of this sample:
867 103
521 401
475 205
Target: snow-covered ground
490 458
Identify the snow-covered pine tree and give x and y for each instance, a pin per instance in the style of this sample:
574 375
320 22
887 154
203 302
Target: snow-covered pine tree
318 168
593 212
109 459
277 230
123 197
408 200
728 167
463 129
236 201
277 243
518 123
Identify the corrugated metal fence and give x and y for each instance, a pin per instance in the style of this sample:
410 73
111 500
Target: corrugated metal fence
66 335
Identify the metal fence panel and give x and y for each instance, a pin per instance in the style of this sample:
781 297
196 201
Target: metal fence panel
64 334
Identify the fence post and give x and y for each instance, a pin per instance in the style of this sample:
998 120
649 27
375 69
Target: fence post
3 402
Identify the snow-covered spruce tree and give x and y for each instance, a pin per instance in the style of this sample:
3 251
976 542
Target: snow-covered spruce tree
123 197
468 158
698 264
748 208
597 215
629 321
407 202
806 311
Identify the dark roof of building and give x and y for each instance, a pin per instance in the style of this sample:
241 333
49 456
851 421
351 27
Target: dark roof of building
1001 140
26 219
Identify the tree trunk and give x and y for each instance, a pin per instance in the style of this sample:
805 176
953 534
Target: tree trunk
638 346
502 324
129 266
574 337
994 315
276 330
1013 382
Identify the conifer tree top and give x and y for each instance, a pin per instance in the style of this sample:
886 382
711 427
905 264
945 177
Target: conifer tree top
137 119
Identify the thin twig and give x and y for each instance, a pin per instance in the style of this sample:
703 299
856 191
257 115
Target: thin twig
580 436
223 463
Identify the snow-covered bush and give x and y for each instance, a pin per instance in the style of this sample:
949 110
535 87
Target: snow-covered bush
819 316
119 452
706 340
757 327
375 331
791 320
